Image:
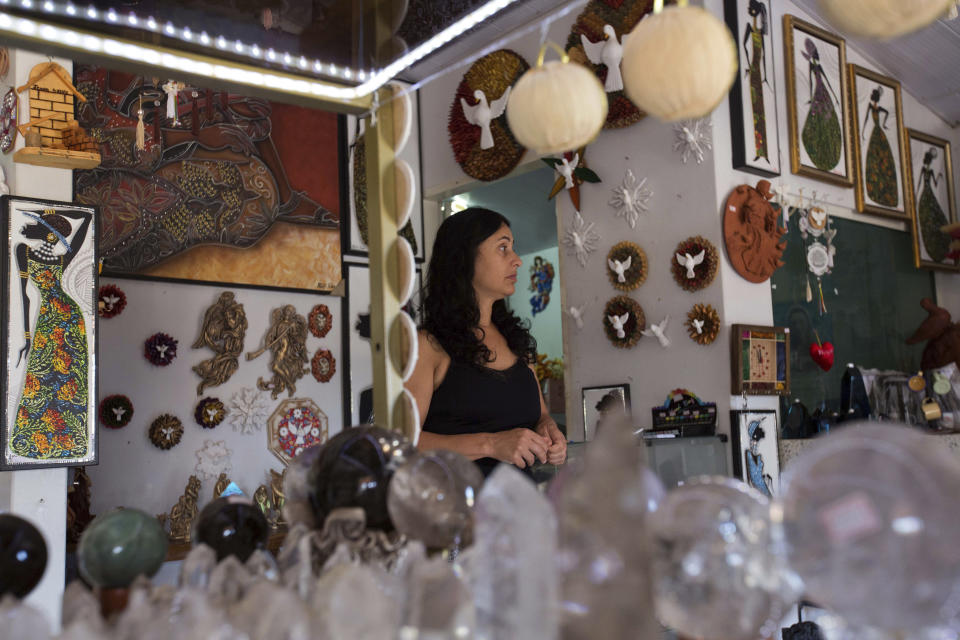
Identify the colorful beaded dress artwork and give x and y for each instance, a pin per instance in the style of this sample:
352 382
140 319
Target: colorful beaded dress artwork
881 170
755 34
822 137
929 213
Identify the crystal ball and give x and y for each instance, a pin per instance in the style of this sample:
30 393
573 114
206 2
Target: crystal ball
120 545
232 526
23 556
353 469
431 499
875 504
717 574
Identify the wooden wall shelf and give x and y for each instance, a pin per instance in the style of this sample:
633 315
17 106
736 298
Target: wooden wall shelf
57 158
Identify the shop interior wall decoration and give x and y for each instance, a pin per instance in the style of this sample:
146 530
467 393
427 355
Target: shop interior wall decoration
817 104
295 425
232 173
703 323
111 301
627 266
581 238
694 263
165 431
693 139
879 149
572 171
542 274
761 360
223 331
49 361
486 82
817 232
8 120
752 233
623 321
358 377
286 340
754 440
602 402
933 201
754 115
941 334
630 198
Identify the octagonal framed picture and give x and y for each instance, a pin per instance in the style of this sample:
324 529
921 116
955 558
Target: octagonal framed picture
295 425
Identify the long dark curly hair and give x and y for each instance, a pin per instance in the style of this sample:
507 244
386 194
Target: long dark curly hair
450 310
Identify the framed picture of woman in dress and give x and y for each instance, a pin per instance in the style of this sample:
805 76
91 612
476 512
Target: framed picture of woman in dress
878 143
930 180
753 98
756 450
49 334
816 62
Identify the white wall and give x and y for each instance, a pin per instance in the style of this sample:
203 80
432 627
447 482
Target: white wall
546 325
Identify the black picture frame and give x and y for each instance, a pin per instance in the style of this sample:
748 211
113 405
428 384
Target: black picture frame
738 19
590 396
357 353
79 279
769 452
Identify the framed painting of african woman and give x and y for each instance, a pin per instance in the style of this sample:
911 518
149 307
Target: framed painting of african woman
932 204
49 334
878 147
753 98
817 102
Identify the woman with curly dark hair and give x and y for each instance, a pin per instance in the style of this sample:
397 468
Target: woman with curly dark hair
474 381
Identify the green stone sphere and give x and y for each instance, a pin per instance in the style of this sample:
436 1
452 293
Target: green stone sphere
120 545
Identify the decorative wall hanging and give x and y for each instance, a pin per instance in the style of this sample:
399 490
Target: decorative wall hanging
116 411
883 19
623 321
160 349
630 198
286 339
879 150
822 353
323 365
932 204
213 459
165 432
694 264
627 266
693 138
111 301
541 283
751 232
594 25
577 314
8 120
572 167
209 413
817 234
493 74
297 424
49 360
320 320
756 449
679 63
483 112
816 62
685 414
659 331
761 360
754 115
703 323
557 106
581 238
248 166
941 334
223 331
248 411
601 402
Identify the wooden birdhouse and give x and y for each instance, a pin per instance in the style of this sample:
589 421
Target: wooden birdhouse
54 139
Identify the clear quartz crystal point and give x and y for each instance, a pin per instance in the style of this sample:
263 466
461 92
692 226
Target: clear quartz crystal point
439 605
348 602
197 566
80 607
20 621
270 612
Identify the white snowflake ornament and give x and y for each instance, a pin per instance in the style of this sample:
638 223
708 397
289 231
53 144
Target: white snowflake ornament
581 237
213 459
693 137
248 411
630 198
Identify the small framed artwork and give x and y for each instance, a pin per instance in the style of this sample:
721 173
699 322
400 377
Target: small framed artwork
878 147
761 360
49 334
753 98
756 449
932 205
599 402
817 107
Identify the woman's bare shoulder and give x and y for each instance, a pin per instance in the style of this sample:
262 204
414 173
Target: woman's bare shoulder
430 347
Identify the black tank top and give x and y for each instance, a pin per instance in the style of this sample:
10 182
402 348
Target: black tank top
475 399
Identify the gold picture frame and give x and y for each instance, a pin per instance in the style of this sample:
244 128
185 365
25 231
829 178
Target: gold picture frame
826 57
870 102
927 246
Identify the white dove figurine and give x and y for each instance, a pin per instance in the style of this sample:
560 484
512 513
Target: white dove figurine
620 268
110 301
482 114
577 314
119 411
609 52
688 261
660 331
618 322
698 325
566 169
161 350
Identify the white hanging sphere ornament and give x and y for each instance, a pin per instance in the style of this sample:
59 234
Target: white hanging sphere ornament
556 106
678 62
883 18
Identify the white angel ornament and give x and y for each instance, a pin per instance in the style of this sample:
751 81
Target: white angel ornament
566 169
482 114
608 52
118 412
688 261
618 323
581 237
698 325
577 314
620 268
659 331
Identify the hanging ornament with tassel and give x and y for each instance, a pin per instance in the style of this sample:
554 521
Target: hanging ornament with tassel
141 133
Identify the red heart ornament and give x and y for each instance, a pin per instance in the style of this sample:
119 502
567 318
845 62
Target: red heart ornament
822 354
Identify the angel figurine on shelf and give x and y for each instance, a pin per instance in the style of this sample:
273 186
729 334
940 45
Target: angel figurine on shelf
482 113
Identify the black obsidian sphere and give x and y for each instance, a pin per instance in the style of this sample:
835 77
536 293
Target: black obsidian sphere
232 526
23 556
353 469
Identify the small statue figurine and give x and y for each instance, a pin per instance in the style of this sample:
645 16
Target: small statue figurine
184 512
222 482
277 495
287 340
224 329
